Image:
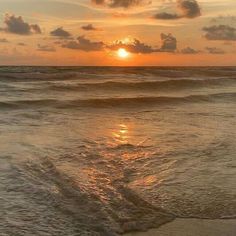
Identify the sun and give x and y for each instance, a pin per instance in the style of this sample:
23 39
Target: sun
122 53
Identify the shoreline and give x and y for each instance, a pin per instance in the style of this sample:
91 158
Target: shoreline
192 227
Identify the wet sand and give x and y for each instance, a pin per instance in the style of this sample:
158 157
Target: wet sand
193 227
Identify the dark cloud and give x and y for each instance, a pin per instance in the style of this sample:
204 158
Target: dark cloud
169 43
45 48
3 40
21 44
99 2
60 32
36 29
89 27
187 8
166 16
220 32
189 50
213 50
134 47
17 25
84 44
121 3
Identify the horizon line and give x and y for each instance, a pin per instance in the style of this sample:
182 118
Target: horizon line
128 66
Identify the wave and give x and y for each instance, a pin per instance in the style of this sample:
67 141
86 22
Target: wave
116 69
151 85
23 73
118 102
37 76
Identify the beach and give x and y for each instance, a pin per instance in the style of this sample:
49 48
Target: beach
193 227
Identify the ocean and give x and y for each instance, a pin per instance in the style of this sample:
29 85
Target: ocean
109 150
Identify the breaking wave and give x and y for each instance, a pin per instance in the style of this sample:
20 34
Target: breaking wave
118 102
150 85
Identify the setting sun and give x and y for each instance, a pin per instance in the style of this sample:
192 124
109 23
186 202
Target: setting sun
122 53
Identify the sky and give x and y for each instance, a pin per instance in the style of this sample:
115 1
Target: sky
93 32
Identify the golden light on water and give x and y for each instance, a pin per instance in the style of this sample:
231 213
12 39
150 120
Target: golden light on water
122 53
121 134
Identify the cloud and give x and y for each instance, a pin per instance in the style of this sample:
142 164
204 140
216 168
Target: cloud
21 44
60 32
45 48
3 40
220 32
227 19
187 8
36 29
17 25
89 27
121 3
166 16
189 50
213 50
84 44
134 47
169 43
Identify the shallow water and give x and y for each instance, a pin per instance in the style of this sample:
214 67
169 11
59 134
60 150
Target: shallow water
103 151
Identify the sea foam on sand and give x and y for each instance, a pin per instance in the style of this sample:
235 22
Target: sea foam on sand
193 227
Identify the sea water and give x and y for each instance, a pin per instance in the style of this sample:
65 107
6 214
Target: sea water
107 150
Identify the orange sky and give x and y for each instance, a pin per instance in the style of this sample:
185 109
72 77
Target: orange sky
89 32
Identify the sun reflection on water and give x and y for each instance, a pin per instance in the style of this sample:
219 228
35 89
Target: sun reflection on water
121 134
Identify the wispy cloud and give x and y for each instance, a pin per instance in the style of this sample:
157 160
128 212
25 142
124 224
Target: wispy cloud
214 50
45 48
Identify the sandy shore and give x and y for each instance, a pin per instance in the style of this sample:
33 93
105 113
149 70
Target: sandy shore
193 227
